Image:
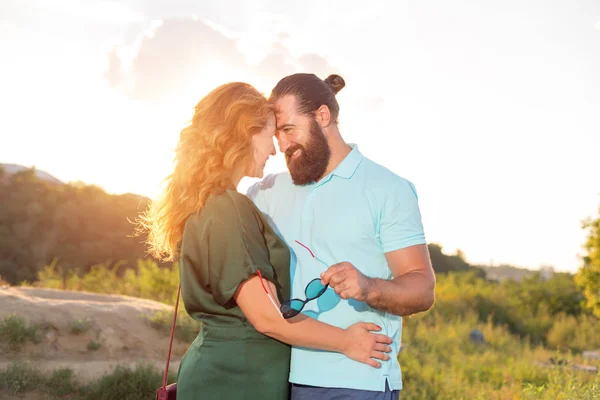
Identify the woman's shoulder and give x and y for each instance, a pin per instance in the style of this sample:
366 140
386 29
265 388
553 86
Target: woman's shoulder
229 200
227 205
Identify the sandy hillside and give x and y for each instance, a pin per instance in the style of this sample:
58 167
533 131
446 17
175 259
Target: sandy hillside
118 323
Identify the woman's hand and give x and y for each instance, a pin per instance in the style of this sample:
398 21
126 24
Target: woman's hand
363 346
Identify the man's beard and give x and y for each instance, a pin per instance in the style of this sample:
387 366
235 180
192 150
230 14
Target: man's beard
310 165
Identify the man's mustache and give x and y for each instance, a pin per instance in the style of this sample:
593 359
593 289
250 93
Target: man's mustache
291 150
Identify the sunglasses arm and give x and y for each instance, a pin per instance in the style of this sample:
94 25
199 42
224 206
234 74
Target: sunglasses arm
274 305
269 294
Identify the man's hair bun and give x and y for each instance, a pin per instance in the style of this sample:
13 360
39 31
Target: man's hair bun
335 82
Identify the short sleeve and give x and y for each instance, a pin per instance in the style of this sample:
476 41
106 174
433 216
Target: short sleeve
230 245
401 224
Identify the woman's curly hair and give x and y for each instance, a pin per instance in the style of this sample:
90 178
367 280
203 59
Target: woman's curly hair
217 139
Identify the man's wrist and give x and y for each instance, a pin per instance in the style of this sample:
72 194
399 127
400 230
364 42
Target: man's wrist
373 291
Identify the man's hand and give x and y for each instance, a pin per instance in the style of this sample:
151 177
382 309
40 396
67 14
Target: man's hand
412 289
347 281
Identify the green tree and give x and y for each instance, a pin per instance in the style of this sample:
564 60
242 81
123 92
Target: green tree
443 263
77 225
588 277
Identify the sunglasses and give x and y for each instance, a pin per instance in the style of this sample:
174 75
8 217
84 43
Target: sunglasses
314 289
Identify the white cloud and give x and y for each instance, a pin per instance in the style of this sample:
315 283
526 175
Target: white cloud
179 51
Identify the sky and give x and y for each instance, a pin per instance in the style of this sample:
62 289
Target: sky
492 110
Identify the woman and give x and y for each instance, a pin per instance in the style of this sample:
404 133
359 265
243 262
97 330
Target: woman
230 257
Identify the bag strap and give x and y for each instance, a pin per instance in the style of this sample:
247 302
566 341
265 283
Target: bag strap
164 384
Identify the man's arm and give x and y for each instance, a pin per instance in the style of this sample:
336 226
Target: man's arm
409 292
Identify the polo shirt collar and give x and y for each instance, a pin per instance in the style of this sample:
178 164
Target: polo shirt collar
349 164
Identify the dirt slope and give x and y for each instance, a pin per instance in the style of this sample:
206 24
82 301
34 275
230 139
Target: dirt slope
117 324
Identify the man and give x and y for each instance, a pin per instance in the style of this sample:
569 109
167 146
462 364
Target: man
354 224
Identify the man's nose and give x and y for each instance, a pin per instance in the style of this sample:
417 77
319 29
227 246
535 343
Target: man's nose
284 144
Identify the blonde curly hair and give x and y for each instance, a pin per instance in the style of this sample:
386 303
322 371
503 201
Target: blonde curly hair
217 139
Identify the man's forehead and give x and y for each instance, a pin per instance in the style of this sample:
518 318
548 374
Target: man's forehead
286 106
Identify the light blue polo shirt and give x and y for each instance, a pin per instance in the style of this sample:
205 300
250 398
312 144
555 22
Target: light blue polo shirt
356 213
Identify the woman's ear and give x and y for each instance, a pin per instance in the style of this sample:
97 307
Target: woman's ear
323 116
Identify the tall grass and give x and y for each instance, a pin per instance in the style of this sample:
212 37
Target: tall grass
140 382
146 280
14 331
440 362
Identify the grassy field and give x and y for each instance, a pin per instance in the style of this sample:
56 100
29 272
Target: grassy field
534 333
438 362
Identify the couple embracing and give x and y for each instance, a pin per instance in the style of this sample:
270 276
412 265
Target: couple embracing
300 283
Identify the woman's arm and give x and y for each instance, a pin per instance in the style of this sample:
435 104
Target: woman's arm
356 342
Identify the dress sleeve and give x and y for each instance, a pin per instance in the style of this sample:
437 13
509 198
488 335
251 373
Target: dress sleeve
230 245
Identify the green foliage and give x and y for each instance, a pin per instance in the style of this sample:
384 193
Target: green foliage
19 378
80 326
126 383
574 333
564 386
440 362
443 263
531 309
588 277
62 383
140 382
15 331
148 280
93 346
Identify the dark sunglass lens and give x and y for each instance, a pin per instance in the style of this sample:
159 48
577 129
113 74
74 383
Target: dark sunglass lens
314 289
292 308
289 313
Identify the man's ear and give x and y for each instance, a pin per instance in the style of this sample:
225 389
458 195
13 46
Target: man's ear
323 116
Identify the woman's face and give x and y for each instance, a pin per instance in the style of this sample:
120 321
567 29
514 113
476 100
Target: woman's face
263 143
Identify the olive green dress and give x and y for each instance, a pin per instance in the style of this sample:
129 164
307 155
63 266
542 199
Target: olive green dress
223 245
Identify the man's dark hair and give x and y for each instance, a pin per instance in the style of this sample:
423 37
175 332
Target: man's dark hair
311 92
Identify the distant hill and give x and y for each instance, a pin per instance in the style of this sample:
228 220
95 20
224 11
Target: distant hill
503 272
11 169
78 225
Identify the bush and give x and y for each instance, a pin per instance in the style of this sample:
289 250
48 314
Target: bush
126 383
20 378
529 309
93 346
15 331
80 326
576 334
147 280
61 383
141 382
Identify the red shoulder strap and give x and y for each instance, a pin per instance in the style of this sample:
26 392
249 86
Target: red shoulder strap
164 384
